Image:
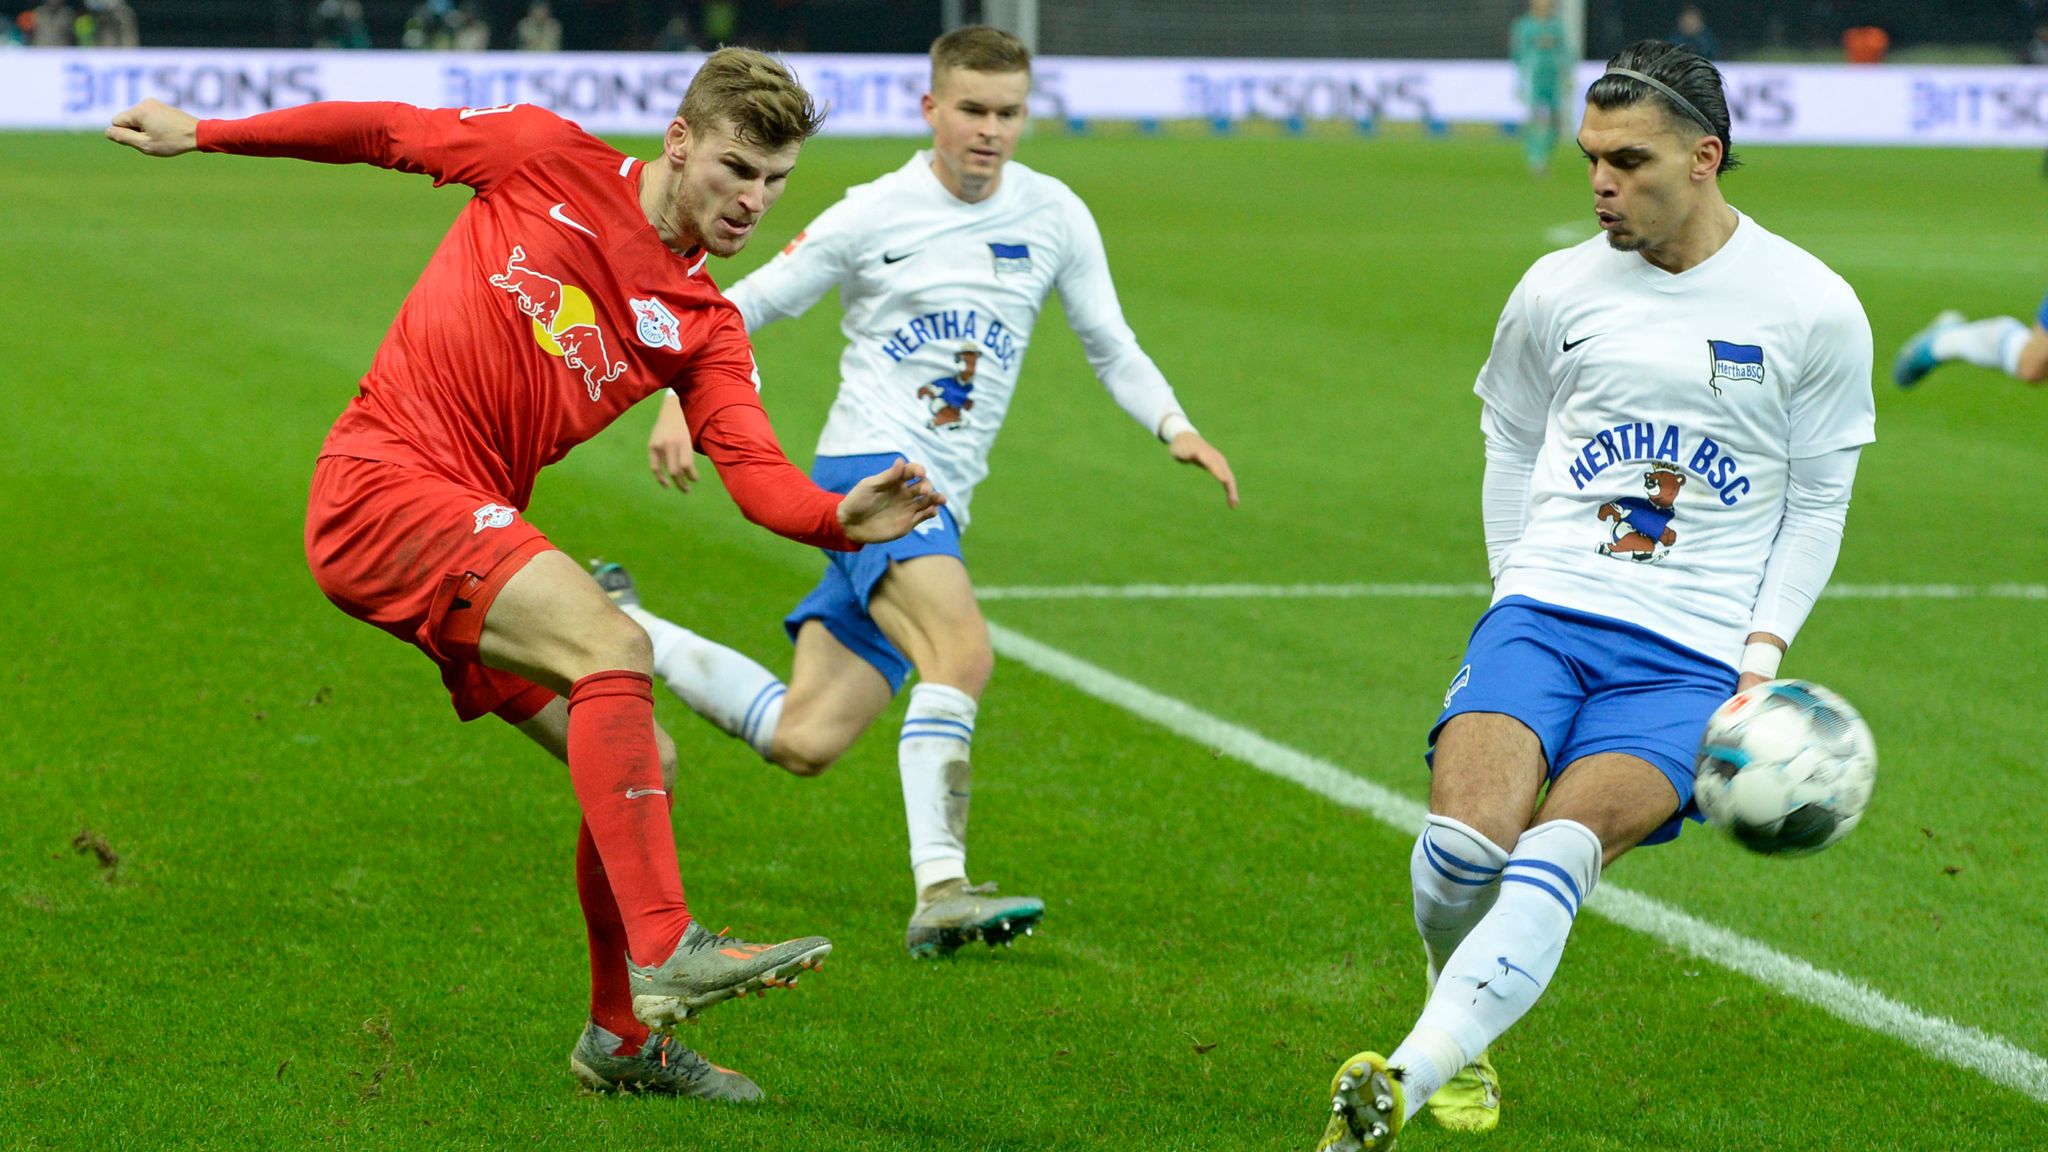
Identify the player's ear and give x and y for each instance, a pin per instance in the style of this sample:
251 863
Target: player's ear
676 143
1706 156
930 107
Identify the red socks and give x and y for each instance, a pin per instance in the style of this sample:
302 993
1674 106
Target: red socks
611 996
616 771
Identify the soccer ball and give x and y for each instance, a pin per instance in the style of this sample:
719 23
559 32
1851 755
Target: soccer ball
1786 768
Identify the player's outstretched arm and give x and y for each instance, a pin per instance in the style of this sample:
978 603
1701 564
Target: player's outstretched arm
154 128
889 504
1757 669
1190 448
670 453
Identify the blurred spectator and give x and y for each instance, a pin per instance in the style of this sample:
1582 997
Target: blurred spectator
1693 35
339 24
1543 69
10 32
2037 48
538 30
1865 45
721 21
676 35
49 24
427 27
113 25
467 28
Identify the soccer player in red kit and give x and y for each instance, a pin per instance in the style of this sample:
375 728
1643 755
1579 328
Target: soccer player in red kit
571 287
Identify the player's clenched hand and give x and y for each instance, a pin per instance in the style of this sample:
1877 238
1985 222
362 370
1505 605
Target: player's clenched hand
154 128
888 504
669 454
1190 448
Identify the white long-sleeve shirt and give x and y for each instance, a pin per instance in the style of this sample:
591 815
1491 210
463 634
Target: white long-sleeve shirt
940 300
1675 451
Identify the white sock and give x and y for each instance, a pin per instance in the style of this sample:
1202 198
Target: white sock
933 758
1993 343
1507 958
1456 875
719 684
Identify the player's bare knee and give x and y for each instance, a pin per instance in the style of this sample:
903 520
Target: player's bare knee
965 663
614 641
804 750
666 747
799 761
1497 822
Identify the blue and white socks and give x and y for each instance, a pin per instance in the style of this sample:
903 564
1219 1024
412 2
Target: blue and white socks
1507 959
1456 875
1993 343
732 691
933 759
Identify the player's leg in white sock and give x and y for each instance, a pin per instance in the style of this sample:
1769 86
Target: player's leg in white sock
1992 343
1507 959
934 760
725 687
1456 872
926 607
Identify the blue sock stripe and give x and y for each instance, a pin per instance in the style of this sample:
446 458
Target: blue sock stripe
909 736
1430 852
1569 908
1554 870
758 710
910 721
1465 864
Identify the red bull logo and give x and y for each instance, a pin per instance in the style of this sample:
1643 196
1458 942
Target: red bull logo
564 321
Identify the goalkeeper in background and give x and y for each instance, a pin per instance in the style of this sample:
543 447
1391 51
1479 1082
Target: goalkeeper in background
1543 65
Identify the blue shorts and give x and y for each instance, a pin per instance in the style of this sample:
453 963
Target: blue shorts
2041 313
840 601
1585 684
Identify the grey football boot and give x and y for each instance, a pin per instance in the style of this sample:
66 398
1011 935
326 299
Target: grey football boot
616 582
953 912
708 967
663 1066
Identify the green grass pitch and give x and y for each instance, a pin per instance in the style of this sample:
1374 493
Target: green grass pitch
339 919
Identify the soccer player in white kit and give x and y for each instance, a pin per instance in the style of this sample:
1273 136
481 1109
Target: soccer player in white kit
1673 416
943 267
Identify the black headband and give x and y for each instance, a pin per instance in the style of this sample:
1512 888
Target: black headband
1684 105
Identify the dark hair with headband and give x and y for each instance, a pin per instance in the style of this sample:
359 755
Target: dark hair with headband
1686 85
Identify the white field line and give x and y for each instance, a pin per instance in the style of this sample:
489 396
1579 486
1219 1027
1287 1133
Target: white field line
1996 1059
1449 592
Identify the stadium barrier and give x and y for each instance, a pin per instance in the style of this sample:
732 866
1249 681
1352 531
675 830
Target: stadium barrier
878 95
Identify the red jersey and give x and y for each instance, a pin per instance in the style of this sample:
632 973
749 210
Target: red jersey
550 308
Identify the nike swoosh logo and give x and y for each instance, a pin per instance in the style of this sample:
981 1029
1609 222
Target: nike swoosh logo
557 214
636 793
888 259
1570 344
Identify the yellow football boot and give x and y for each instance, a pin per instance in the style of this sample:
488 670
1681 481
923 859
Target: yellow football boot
1365 1106
1469 1101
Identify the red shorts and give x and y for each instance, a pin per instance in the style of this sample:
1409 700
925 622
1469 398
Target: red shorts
423 557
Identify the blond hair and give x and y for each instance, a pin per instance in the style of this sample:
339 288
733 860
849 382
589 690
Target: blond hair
978 48
752 96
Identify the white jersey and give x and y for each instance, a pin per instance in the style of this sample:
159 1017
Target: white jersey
940 300
1670 407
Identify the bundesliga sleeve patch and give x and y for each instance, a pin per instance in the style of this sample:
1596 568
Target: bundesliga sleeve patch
1734 362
